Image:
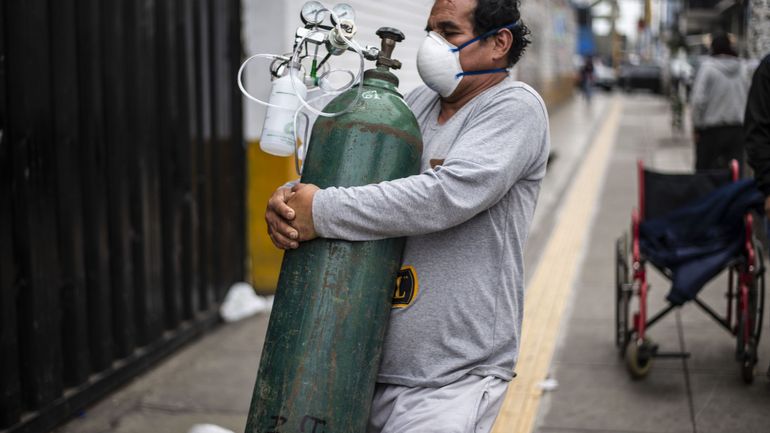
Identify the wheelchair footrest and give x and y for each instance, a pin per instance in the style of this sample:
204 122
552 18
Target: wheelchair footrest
674 355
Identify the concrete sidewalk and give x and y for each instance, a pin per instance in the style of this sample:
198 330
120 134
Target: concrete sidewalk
208 382
703 394
211 380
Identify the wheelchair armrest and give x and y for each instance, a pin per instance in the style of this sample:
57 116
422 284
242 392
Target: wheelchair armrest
636 220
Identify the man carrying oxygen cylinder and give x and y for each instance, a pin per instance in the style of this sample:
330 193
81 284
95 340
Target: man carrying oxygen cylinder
449 353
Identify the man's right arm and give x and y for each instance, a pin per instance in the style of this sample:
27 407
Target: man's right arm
498 147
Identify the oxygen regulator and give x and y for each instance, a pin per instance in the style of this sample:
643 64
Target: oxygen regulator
303 76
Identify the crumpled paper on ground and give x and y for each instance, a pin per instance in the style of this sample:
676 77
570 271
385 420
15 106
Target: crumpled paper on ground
241 302
208 428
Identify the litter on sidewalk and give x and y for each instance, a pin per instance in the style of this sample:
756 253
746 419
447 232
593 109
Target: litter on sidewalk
548 385
241 302
208 428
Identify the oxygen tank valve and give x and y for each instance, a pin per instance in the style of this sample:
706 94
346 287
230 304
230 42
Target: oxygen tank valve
390 37
335 43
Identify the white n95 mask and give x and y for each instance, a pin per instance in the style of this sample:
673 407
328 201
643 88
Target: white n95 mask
438 62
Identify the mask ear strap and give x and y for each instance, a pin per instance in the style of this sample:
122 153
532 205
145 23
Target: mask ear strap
485 71
487 34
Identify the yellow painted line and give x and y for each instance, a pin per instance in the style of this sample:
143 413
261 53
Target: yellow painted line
552 283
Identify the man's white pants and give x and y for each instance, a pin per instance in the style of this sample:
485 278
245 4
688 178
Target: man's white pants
469 405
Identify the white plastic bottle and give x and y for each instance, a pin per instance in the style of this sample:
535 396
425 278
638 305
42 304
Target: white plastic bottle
278 133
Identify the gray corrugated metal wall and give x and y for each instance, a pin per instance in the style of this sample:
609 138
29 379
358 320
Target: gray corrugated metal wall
121 192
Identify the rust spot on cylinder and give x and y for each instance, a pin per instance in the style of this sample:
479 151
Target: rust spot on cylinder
394 132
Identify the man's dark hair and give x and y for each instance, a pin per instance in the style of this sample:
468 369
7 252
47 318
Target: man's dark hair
721 45
493 14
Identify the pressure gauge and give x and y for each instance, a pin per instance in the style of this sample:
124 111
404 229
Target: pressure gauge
343 11
313 13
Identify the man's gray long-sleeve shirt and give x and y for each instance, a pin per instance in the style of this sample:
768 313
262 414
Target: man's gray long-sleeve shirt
467 216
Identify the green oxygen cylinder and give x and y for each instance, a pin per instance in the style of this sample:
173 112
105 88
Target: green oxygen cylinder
322 350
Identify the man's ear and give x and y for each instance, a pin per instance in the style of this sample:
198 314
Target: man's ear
503 41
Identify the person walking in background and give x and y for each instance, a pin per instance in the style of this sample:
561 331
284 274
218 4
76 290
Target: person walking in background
757 127
718 105
681 81
587 77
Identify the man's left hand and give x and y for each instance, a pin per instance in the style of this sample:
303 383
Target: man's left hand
302 203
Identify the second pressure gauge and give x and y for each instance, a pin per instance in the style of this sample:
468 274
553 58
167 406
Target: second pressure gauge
343 11
313 13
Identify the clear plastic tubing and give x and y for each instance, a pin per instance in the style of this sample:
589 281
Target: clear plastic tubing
289 95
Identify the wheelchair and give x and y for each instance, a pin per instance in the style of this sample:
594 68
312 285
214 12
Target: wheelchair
658 194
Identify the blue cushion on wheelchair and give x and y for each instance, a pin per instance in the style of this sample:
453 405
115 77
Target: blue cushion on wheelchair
698 240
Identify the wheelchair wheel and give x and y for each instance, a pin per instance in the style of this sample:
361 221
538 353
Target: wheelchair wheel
639 357
746 350
759 285
748 362
622 293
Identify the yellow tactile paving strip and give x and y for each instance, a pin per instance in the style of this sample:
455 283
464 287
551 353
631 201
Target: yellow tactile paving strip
552 283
